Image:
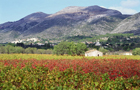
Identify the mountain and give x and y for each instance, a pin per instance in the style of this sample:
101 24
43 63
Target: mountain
71 21
129 25
74 20
11 30
24 23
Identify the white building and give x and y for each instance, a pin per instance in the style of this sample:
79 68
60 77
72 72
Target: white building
93 53
127 53
17 41
40 44
97 44
32 39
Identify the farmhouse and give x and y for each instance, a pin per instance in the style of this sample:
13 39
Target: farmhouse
93 53
127 53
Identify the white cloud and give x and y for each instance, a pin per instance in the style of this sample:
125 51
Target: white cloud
130 3
124 10
103 6
127 6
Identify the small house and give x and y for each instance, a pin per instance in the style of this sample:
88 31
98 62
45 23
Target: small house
127 53
93 53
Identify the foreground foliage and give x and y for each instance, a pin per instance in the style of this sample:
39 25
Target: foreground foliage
70 74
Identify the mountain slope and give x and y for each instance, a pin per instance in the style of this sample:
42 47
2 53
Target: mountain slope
129 25
11 30
70 21
74 20
24 23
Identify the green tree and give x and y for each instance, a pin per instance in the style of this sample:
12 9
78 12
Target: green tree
30 50
20 44
103 50
81 48
40 51
9 49
69 48
62 48
48 51
47 45
136 51
19 50
2 50
11 44
72 48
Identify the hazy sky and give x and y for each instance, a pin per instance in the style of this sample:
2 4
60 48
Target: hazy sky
12 10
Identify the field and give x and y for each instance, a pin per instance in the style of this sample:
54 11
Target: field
56 57
52 72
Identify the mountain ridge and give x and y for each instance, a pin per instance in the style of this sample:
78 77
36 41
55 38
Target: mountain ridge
70 21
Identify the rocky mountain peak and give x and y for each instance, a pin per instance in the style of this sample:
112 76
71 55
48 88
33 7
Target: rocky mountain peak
35 16
92 10
100 10
95 8
72 9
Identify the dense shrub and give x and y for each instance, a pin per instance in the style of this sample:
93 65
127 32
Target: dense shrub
103 50
136 51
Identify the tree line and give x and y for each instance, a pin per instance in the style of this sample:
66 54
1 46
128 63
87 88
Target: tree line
62 48
8 49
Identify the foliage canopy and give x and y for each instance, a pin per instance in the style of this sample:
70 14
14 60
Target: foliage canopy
70 48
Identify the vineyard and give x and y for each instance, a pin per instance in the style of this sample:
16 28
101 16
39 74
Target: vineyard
52 72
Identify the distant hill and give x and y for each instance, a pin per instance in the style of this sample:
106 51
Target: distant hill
71 21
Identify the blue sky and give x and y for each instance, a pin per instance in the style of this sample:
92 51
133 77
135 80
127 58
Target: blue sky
12 10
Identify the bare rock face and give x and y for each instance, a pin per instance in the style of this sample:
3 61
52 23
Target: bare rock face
77 12
71 9
129 25
94 10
